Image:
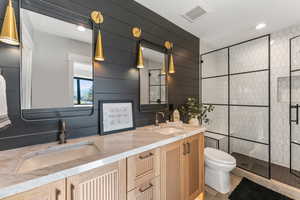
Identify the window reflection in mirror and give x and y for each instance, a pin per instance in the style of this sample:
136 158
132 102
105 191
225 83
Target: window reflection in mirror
57 69
153 79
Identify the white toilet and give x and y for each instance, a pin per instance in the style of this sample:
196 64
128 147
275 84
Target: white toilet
218 165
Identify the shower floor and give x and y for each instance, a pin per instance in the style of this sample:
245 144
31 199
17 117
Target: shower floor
260 167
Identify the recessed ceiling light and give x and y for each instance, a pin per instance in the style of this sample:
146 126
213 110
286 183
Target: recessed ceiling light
80 28
272 42
260 26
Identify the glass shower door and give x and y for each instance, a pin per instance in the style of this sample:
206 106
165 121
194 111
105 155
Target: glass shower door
294 106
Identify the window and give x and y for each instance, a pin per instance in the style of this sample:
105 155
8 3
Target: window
82 82
83 91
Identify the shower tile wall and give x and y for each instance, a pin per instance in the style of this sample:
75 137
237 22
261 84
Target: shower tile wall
249 123
249 89
249 56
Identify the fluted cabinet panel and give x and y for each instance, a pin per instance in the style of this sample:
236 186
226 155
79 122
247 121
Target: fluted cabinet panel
104 187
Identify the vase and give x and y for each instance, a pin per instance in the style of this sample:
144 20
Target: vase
194 121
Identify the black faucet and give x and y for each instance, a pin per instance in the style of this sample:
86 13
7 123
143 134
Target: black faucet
156 117
62 133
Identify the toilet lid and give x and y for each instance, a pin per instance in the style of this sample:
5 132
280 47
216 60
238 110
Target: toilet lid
219 156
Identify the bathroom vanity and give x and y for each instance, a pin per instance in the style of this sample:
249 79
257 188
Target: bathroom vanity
147 163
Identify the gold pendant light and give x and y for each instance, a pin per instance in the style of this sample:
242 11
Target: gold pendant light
99 56
97 17
171 65
9 32
169 46
137 33
140 61
163 69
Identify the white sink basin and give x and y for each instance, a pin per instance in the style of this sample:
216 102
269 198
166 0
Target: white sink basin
168 131
57 155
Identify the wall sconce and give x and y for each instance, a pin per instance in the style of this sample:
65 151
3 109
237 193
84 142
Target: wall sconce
140 61
169 46
137 33
98 19
163 69
9 32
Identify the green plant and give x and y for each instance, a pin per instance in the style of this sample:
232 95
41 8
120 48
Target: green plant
193 109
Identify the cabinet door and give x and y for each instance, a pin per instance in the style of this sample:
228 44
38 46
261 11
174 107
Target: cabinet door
149 190
104 183
195 166
142 167
172 171
52 191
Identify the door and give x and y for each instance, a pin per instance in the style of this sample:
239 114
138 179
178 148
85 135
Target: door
294 105
107 182
195 166
172 171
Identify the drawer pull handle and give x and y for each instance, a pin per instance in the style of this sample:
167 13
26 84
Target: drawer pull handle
146 156
189 148
147 188
184 149
57 194
72 191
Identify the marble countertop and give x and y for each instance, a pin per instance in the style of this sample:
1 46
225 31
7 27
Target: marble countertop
112 148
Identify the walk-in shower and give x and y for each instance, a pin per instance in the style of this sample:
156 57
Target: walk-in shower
236 80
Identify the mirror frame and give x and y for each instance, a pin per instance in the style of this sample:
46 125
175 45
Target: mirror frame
154 107
63 112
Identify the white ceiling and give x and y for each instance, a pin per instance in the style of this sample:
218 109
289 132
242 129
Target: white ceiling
229 21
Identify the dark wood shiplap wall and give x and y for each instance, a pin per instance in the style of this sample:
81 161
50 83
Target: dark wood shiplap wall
115 79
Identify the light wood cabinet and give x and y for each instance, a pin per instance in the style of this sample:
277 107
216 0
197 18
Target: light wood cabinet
142 167
53 191
172 175
194 167
182 169
105 183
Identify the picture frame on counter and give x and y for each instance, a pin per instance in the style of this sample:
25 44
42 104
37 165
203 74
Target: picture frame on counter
116 116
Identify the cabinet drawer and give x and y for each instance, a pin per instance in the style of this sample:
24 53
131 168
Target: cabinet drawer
142 167
149 190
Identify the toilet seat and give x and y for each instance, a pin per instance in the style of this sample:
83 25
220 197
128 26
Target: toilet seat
218 157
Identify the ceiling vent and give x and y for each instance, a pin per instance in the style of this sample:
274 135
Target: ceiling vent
194 14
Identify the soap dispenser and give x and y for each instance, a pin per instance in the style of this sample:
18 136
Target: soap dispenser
176 115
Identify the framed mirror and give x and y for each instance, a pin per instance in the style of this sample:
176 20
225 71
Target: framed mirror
57 78
153 78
